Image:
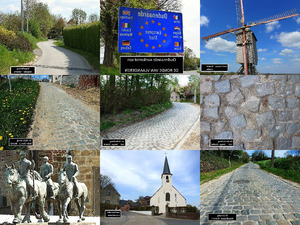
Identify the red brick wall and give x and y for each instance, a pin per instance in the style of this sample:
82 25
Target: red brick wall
89 81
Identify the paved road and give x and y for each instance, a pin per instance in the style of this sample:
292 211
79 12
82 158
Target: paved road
161 132
60 61
63 122
129 218
256 196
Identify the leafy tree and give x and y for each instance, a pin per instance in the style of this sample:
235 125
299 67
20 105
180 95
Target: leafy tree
40 12
34 28
93 17
11 21
245 157
79 16
105 180
190 60
258 155
28 7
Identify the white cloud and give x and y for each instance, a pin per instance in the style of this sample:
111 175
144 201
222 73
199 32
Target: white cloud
286 52
204 21
219 44
262 50
291 39
295 60
272 26
261 58
202 52
13 8
277 60
298 20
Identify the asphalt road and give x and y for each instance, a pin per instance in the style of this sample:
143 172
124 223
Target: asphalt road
129 218
255 196
161 132
60 61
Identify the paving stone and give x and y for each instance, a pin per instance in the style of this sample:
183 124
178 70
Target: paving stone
249 223
241 218
297 91
285 89
251 135
252 104
285 115
211 112
212 100
295 79
205 127
266 217
216 77
223 86
201 99
234 97
238 121
254 218
205 139
265 119
276 130
296 143
292 103
279 77
296 222
293 128
219 126
247 81
224 135
264 89
230 111
255 211
276 102
297 215
205 87
296 115
271 222
283 222
283 143
245 212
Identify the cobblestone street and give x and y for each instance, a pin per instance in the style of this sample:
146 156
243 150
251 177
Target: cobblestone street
62 122
257 197
161 132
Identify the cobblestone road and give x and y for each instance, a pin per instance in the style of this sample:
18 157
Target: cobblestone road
254 195
62 122
161 132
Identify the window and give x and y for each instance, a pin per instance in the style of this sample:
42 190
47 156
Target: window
167 177
167 197
108 193
107 202
175 198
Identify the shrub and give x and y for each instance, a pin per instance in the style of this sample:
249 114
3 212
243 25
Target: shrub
34 28
14 40
84 36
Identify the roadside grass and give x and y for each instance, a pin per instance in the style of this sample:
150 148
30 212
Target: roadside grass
130 115
16 110
288 168
16 57
204 177
93 59
109 70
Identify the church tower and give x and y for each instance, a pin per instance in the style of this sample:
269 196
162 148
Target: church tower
166 176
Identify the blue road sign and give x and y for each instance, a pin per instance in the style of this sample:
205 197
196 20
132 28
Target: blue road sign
145 31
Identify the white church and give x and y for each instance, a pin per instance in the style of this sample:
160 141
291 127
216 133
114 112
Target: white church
167 194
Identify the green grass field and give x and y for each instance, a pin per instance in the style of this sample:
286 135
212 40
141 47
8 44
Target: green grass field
93 60
288 168
16 109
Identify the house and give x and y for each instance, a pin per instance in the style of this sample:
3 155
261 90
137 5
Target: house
167 194
109 195
175 97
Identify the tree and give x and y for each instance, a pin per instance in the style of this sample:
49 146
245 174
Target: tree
190 60
40 12
28 7
79 16
109 17
93 17
105 180
272 159
245 157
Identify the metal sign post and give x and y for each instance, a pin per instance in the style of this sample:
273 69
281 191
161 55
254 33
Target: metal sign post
9 83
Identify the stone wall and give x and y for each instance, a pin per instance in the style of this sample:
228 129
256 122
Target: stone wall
89 81
257 112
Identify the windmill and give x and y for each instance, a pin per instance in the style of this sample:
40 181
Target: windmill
246 52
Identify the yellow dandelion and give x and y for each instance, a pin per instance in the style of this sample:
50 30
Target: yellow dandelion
20 110
1 148
9 134
1 138
12 136
22 119
24 122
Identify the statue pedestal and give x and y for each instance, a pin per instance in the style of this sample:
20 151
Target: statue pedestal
71 223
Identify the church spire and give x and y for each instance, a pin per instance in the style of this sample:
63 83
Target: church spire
166 167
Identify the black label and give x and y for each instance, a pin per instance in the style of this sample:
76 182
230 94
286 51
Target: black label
22 70
112 213
151 64
113 142
214 67
221 216
221 142
20 141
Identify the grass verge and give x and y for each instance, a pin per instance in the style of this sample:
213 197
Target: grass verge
108 121
90 57
288 168
204 177
16 110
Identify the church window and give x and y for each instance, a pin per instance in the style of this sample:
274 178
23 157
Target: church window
175 198
108 193
167 196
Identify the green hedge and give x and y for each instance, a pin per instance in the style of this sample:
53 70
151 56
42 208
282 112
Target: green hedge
84 36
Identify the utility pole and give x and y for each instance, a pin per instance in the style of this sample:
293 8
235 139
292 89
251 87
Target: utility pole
22 18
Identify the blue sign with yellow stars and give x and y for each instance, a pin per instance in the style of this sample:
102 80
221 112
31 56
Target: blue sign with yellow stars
150 31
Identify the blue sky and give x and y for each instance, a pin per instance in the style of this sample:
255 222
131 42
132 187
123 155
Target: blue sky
138 173
278 43
63 7
278 153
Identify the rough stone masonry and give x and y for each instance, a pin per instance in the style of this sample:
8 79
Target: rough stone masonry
257 112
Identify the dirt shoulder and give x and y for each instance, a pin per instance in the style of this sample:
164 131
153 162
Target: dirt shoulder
91 96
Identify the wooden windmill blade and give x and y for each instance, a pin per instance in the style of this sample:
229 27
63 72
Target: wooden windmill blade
280 16
232 30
